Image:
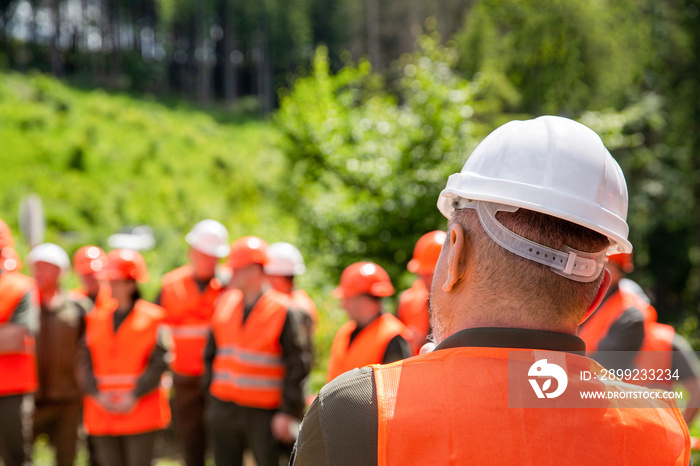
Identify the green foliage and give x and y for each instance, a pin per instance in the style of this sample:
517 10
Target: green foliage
367 164
101 162
557 57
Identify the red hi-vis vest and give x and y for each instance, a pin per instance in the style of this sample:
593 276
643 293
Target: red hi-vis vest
657 346
248 368
451 407
18 369
187 313
368 347
118 359
413 312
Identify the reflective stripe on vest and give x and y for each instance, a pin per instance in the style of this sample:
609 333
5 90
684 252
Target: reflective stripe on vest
248 368
368 347
190 331
451 407
118 360
188 311
14 286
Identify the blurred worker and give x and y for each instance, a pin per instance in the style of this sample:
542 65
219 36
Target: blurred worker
257 359
530 219
285 263
188 295
18 377
413 303
371 336
623 333
57 402
88 262
122 361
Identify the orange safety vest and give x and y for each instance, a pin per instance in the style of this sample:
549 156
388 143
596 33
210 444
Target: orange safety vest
81 296
187 313
248 368
452 407
19 373
302 300
657 346
413 312
118 359
368 347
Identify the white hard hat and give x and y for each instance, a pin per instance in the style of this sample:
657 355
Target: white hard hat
284 259
209 237
551 165
51 253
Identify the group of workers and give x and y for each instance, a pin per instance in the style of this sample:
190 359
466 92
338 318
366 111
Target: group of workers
232 342
532 218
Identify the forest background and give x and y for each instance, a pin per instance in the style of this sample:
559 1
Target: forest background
333 124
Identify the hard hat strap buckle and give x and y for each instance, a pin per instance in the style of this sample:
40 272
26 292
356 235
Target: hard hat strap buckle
568 262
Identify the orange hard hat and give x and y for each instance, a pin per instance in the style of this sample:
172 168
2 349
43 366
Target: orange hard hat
89 259
6 239
9 260
247 251
364 278
427 252
125 264
623 260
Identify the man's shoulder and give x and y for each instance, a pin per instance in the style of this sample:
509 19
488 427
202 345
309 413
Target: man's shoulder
341 425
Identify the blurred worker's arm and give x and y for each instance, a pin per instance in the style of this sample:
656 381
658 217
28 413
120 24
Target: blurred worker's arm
150 379
396 350
85 375
24 321
209 355
340 428
624 339
296 357
685 361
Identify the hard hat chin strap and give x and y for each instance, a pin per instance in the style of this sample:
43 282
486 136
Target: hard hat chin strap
568 262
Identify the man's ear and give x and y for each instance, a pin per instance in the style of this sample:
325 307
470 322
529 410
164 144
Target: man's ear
456 262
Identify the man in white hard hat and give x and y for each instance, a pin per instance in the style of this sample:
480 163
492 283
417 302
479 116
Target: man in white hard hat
58 400
531 218
285 262
188 295
18 378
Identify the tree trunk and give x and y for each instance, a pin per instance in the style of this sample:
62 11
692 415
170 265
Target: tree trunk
54 48
373 30
229 46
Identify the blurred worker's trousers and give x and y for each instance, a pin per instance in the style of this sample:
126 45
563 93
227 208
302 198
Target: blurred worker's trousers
188 413
59 421
124 450
233 428
15 428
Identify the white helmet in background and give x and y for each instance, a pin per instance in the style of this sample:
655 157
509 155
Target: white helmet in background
50 253
550 165
284 259
209 237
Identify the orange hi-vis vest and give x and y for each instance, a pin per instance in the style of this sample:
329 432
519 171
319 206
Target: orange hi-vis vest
452 407
118 359
18 369
413 312
302 300
368 347
248 368
188 312
657 346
